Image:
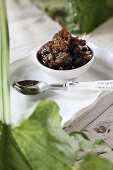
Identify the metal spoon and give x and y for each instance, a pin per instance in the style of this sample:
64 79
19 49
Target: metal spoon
32 87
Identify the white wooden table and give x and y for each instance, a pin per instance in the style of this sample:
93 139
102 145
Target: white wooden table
30 27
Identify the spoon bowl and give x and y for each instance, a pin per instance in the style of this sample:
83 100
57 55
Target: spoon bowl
30 87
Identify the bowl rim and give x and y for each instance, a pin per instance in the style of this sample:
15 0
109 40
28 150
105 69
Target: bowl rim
53 70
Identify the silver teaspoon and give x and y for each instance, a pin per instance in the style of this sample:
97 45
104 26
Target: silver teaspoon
32 87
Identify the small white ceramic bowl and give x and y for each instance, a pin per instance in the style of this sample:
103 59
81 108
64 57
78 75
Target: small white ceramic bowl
65 74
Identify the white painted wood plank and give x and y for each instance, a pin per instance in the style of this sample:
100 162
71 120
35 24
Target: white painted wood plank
102 128
87 117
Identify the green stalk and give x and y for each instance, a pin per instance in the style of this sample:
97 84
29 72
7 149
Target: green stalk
4 65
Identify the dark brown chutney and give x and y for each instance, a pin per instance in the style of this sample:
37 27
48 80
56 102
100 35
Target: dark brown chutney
64 52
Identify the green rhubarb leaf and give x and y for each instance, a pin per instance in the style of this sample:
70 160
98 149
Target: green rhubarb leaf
11 157
94 162
43 142
99 146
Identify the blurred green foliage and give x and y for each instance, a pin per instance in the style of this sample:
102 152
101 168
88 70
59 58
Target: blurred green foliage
88 14
59 10
77 15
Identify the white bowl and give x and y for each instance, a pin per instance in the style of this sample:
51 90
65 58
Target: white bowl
65 74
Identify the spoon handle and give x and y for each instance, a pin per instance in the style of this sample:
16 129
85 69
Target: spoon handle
105 85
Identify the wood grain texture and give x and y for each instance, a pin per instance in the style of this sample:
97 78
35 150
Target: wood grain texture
102 127
87 117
